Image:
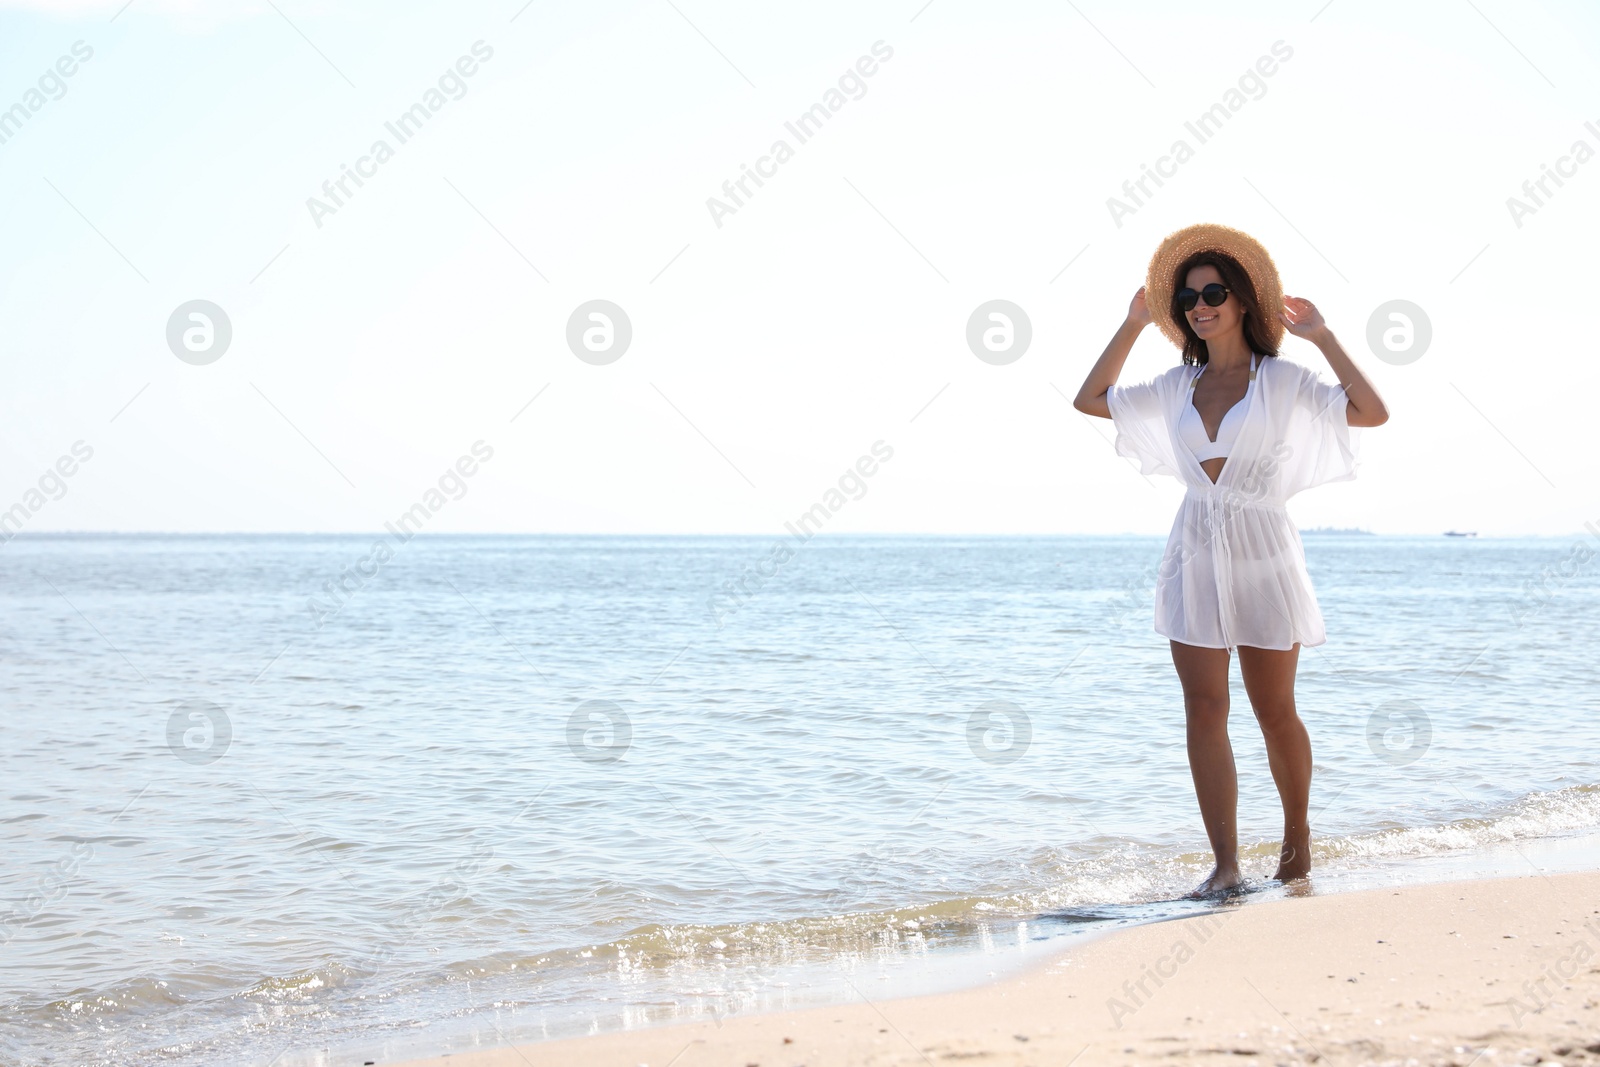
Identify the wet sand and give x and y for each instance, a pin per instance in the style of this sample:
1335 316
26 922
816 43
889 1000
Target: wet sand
1494 971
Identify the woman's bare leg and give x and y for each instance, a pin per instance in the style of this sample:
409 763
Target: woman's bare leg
1269 680
1203 672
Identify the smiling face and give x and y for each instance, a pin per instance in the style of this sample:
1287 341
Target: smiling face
1213 322
1210 322
1237 325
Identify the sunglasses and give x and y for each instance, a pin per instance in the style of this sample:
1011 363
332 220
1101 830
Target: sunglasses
1214 295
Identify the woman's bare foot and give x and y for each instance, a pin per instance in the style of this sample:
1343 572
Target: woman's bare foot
1294 861
1220 881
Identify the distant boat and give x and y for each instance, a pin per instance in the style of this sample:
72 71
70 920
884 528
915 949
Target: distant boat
1335 530
1461 533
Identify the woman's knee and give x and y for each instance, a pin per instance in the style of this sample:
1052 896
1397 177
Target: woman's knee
1278 719
1206 712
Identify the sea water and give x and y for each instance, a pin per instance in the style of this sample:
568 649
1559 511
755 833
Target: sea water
278 799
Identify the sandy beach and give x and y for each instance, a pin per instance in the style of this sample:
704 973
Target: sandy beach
1490 971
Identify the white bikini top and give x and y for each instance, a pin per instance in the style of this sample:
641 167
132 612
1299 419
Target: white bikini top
1192 431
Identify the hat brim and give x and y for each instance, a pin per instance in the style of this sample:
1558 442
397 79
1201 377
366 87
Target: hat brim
1212 237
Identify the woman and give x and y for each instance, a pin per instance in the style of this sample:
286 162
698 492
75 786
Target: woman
1244 430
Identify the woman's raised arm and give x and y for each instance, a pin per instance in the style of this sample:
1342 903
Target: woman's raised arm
1091 398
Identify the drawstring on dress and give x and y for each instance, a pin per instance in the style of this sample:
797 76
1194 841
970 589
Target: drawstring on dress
1216 518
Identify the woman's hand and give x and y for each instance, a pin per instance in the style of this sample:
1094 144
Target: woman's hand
1091 398
1138 310
1364 406
1303 320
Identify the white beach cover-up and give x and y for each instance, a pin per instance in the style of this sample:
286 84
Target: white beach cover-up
1234 570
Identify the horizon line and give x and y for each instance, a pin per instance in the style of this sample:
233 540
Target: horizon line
90 533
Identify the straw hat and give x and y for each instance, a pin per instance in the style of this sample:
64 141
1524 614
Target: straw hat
1209 236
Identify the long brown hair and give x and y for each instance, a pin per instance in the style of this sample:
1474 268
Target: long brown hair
1240 287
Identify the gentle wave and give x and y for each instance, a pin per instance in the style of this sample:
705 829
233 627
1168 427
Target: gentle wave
407 826
1077 895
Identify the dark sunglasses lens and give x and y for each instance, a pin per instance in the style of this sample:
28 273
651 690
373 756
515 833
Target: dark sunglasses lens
1186 299
1214 294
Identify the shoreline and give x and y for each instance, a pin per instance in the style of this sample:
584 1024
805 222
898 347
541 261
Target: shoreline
1495 969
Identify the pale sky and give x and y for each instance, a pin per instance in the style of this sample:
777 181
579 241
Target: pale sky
829 312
